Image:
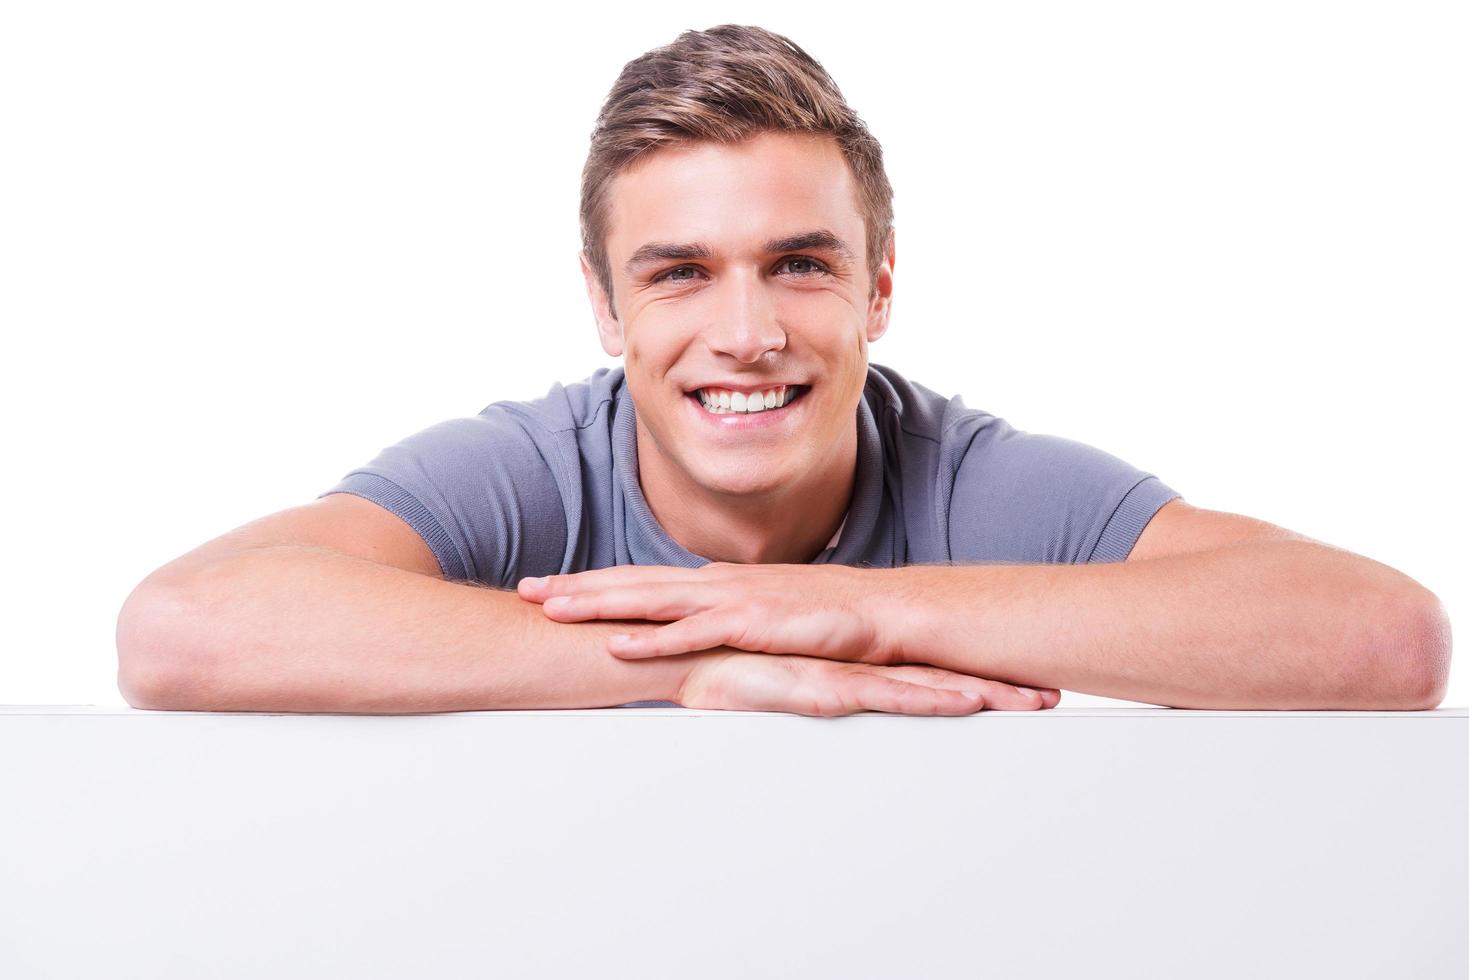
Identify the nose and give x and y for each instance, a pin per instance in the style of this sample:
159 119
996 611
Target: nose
744 324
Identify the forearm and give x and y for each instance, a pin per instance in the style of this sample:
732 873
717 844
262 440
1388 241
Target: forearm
1274 624
308 629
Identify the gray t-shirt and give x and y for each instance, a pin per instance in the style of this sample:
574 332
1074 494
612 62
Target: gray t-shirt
550 486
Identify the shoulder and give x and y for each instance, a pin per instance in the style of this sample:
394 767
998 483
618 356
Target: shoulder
567 408
912 409
492 493
1002 494
1005 494
969 436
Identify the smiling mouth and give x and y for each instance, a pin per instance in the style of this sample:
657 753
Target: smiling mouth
792 394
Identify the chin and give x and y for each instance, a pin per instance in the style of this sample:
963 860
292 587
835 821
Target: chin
755 480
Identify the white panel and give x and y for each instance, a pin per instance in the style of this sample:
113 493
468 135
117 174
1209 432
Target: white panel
675 843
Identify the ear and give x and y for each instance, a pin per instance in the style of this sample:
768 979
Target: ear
882 298
607 326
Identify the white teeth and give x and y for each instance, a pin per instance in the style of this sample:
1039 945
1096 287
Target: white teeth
738 401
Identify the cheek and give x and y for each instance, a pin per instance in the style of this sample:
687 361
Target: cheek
638 363
646 366
812 308
651 345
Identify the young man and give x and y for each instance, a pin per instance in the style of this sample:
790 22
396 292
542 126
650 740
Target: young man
749 515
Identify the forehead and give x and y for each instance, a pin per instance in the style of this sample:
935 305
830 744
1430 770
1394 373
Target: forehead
734 195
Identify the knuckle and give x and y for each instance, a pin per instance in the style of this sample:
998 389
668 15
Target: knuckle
743 629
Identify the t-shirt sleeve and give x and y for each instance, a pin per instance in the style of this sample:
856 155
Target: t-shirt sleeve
478 491
1033 498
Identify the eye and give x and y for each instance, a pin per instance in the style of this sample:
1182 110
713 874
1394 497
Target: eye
671 277
817 267
814 269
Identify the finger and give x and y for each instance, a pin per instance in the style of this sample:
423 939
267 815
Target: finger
999 696
537 589
701 631
665 601
878 692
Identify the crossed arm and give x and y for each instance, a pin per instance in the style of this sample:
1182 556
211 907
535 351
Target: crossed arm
1210 610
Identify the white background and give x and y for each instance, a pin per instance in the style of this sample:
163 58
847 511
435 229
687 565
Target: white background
244 247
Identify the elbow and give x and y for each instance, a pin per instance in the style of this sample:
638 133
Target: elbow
147 641
1433 643
1413 653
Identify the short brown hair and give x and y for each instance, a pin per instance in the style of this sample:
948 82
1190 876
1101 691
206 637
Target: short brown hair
725 85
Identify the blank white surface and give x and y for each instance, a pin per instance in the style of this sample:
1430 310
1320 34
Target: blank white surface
675 843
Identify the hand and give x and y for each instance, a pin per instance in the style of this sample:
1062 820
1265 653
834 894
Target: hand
739 681
826 611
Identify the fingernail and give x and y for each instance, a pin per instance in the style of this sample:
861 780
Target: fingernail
974 694
619 639
534 582
1025 690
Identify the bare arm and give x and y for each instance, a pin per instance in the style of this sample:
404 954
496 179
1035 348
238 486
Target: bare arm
1273 624
339 606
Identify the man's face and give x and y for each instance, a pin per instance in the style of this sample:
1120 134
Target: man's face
736 270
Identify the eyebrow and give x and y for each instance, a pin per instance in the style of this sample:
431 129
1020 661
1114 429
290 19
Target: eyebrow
819 239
